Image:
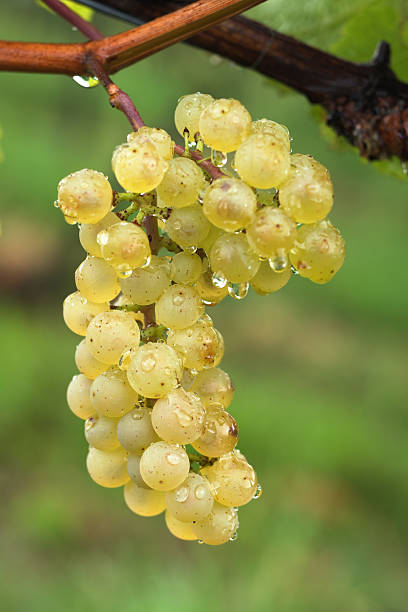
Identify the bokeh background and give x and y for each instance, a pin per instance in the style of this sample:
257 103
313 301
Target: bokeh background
320 372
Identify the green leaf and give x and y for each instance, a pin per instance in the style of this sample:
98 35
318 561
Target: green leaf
121 206
83 11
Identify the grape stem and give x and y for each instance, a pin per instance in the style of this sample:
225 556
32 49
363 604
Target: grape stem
200 459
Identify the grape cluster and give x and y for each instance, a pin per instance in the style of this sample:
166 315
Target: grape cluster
150 391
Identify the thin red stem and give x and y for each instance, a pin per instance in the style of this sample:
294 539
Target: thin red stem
76 20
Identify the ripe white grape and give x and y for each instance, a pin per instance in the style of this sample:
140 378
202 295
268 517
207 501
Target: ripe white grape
84 196
192 500
178 417
135 431
145 285
278 131
185 268
108 468
179 307
181 184
232 257
138 166
208 292
78 397
180 530
224 124
133 468
97 280
125 246
88 233
111 394
188 111
100 432
188 226
211 237
164 466
233 480
220 434
262 161
229 204
154 370
78 312
158 137
86 362
112 333
218 527
200 345
143 501
271 232
214 387
267 280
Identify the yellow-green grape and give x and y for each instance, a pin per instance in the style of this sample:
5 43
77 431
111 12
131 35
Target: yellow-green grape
262 161
84 196
229 204
78 312
200 345
138 166
233 480
208 292
224 124
133 468
135 431
187 379
179 307
154 370
164 466
188 111
97 280
145 285
188 226
108 468
181 184
111 394
267 280
307 193
271 232
232 258
88 233
185 268
112 333
220 434
143 501
213 234
78 397
178 417
277 130
214 387
192 500
218 527
125 246
86 362
180 530
319 251
100 432
158 137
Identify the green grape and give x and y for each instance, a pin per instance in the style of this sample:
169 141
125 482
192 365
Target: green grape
307 193
220 434
200 345
78 312
192 500
164 466
108 468
229 204
180 530
110 334
125 246
159 138
86 362
267 280
133 468
188 226
78 397
185 268
213 234
97 280
88 233
178 417
135 431
218 527
278 131
181 184
84 196
224 124
111 394
143 501
271 232
188 111
233 480
214 387
232 258
179 307
145 285
319 251
154 370
208 292
262 161
100 432
138 166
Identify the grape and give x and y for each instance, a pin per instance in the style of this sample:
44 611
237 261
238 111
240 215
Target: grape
188 111
125 246
208 292
188 226
218 527
213 234
233 480
214 387
229 204
135 431
143 501
97 280
224 124
78 397
155 370
111 394
164 466
271 232
133 468
180 530
220 434
138 166
86 362
278 131
178 417
159 138
185 268
112 333
78 312
88 233
232 258
181 184
100 432
267 280
319 251
145 285
200 345
179 307
192 500
307 193
85 196
107 468
262 161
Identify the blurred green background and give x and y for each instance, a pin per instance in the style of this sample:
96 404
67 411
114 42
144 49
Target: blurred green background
320 372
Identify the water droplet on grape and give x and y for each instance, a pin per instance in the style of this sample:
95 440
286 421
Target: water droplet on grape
178 300
147 262
181 494
148 363
183 417
124 273
200 492
219 280
234 536
218 158
137 414
258 492
89 423
238 290
102 238
190 250
173 458
200 542
279 263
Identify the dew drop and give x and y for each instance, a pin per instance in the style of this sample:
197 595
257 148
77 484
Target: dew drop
87 82
173 458
190 250
279 263
148 363
181 494
200 491
218 158
137 414
183 417
102 238
234 536
218 280
147 262
178 300
238 290
258 492
200 541
124 273
294 271
89 423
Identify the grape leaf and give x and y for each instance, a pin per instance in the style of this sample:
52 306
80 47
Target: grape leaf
83 11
